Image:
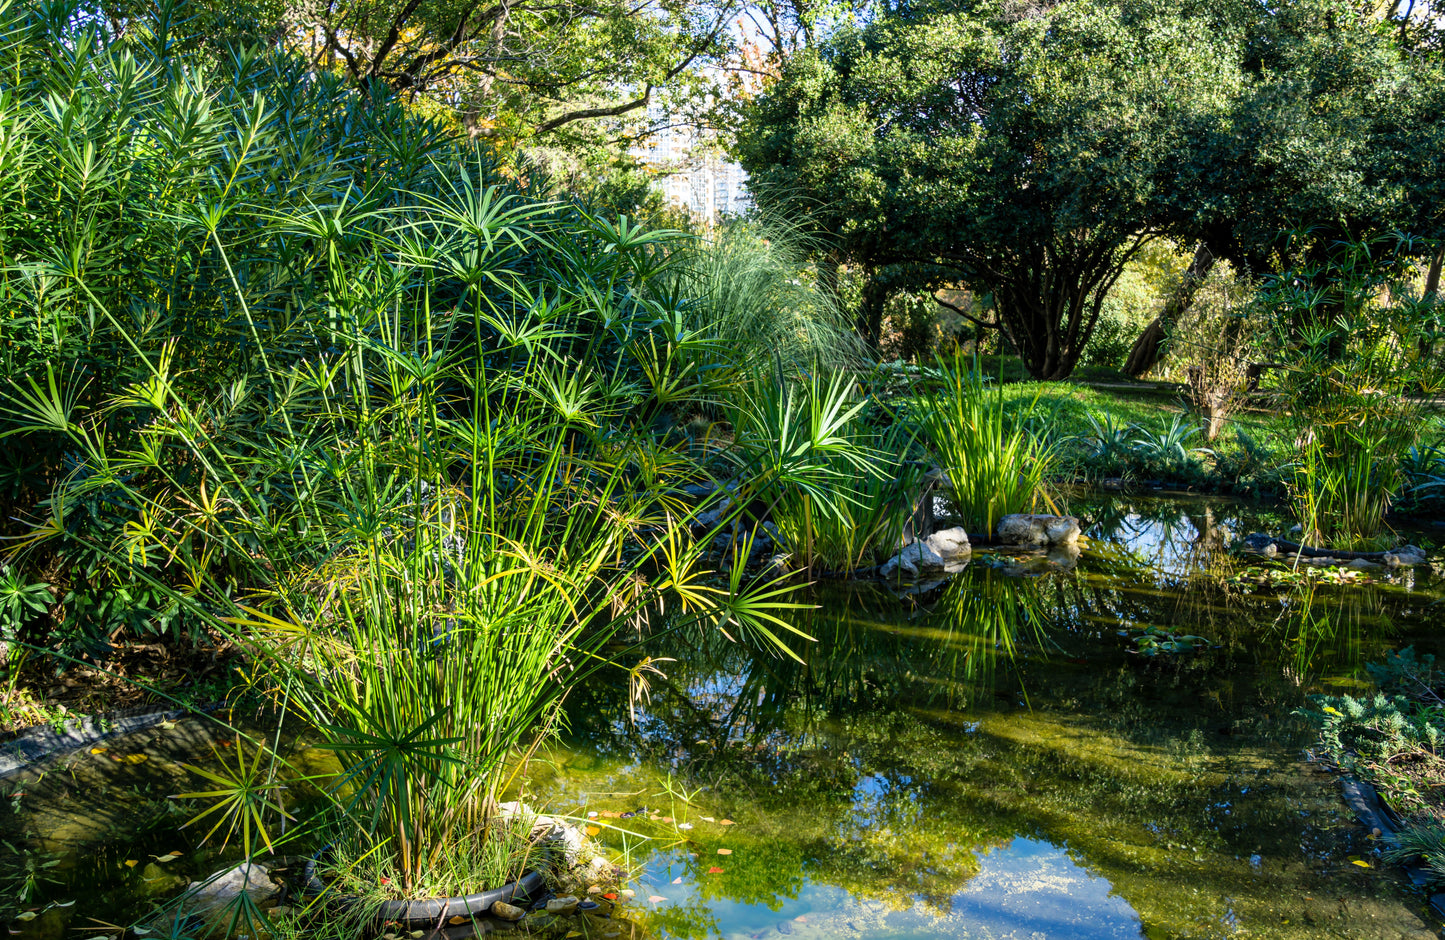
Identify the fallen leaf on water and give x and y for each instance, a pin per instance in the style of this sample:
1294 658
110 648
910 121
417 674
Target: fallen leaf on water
573 933
457 920
417 934
130 758
724 851
667 819
166 858
63 904
708 819
677 880
167 726
1362 864
609 814
131 863
593 830
28 915
725 822
99 750
656 898
714 870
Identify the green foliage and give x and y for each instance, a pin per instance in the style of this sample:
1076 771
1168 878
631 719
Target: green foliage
21 602
752 287
1169 450
317 380
1360 732
995 465
1356 370
1023 153
1423 469
804 446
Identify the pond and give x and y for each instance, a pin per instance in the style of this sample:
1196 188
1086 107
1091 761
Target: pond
994 757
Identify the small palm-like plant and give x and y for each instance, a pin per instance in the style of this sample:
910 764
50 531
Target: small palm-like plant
1170 448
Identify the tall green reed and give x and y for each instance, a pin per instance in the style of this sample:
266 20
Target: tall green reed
1350 330
994 463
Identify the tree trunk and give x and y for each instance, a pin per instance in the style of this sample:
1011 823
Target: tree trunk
1149 347
870 312
1432 292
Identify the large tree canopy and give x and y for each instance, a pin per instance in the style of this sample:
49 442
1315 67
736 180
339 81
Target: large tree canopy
511 69
1030 151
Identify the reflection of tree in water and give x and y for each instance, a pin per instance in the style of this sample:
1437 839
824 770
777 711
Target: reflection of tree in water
899 751
721 700
1166 564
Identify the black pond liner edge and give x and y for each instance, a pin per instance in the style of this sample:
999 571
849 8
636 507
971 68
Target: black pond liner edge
431 912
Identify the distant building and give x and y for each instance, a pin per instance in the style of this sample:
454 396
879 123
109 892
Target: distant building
693 176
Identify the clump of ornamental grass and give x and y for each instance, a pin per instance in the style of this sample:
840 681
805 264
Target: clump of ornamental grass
995 463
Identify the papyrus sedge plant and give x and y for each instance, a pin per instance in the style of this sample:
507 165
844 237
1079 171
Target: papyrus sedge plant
470 513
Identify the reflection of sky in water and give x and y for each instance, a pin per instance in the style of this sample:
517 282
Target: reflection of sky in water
1169 541
1026 890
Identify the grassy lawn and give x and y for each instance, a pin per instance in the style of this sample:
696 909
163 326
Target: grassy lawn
1066 407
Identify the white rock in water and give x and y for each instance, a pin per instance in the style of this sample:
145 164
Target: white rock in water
950 544
914 559
514 809
562 907
1405 556
1036 529
216 895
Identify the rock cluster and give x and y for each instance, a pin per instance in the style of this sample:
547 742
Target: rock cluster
1036 530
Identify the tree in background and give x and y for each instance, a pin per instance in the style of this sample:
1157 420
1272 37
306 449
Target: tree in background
1338 131
1027 154
1030 153
510 70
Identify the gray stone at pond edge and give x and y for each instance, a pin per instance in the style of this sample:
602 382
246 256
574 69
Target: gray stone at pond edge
950 544
562 907
215 895
1405 556
713 516
1035 529
1363 564
505 911
915 559
777 566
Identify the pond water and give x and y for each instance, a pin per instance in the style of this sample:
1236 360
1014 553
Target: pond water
988 758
